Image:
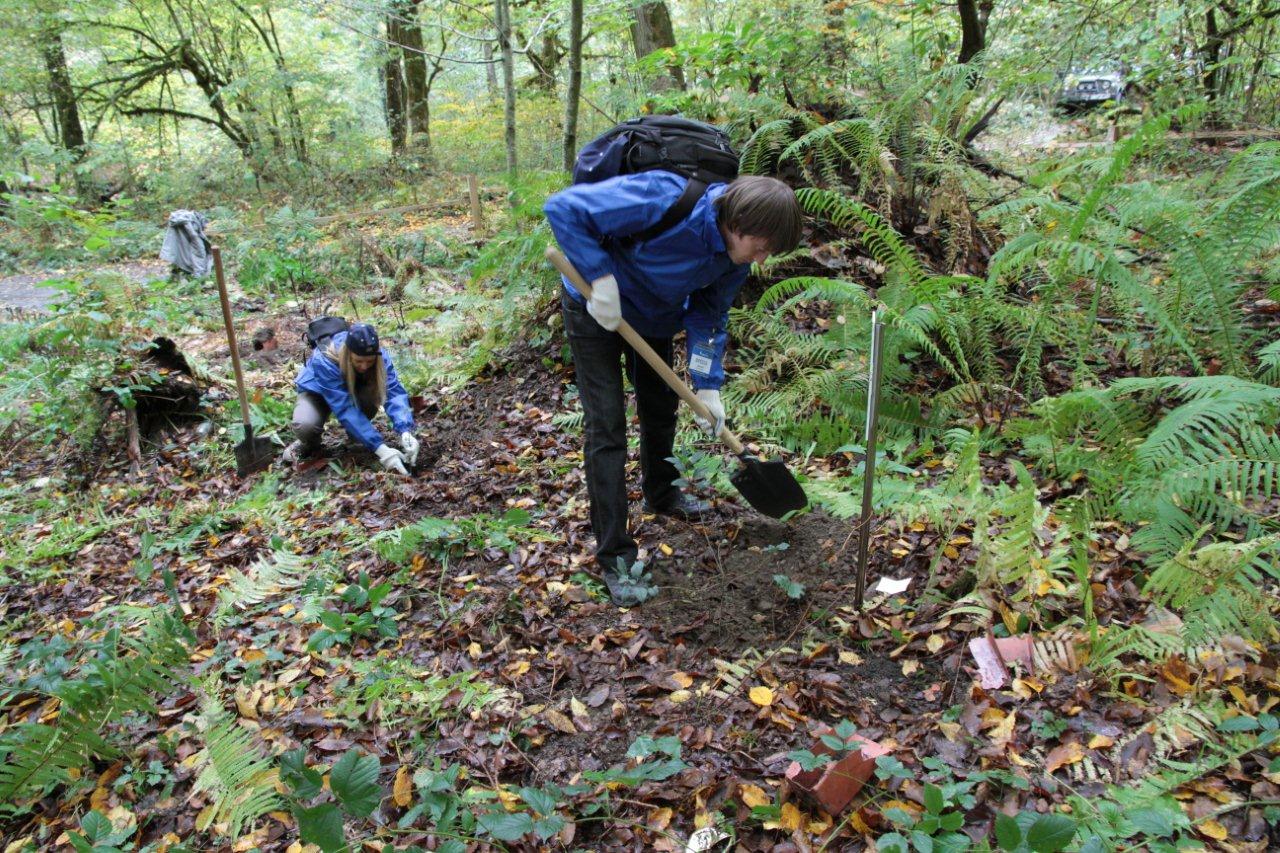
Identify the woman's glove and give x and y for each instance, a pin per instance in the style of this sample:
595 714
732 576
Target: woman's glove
409 445
605 304
711 399
391 459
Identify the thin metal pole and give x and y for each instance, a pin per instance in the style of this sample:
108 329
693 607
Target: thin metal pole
869 462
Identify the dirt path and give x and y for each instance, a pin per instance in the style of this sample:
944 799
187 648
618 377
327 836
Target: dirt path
27 292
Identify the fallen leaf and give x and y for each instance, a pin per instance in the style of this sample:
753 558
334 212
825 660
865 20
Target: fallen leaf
910 667
682 679
1067 753
680 696
762 696
935 643
850 658
1002 733
753 795
402 788
1101 742
1212 829
791 819
560 722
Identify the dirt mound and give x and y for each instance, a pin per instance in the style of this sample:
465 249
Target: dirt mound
718 585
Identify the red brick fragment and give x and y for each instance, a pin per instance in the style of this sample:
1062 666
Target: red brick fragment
833 786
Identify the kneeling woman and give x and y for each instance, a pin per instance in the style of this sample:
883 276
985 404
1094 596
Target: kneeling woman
351 378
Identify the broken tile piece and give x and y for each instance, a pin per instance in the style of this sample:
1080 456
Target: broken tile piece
833 786
992 673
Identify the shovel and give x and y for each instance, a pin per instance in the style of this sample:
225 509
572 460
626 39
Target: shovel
252 454
767 485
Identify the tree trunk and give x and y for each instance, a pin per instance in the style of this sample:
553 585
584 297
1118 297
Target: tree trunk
393 89
651 30
973 36
490 72
296 128
502 12
574 86
66 110
415 77
1212 55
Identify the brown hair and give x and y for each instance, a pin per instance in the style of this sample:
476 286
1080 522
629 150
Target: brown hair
756 206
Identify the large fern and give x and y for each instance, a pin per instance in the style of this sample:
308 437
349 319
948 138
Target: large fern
124 677
1220 588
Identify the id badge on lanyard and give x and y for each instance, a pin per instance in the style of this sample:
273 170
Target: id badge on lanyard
701 357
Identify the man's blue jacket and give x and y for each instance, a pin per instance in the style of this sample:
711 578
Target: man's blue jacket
322 376
681 279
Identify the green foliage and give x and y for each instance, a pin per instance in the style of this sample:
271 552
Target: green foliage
1220 588
444 538
269 575
400 693
365 616
122 675
238 780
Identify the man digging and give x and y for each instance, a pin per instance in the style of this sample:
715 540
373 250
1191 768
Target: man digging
684 278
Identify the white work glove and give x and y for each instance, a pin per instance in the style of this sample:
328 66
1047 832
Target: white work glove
391 459
605 304
711 399
409 445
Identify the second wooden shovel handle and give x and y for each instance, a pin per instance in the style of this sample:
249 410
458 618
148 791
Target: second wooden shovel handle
231 336
631 336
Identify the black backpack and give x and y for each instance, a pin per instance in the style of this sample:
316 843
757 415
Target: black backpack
701 152
320 330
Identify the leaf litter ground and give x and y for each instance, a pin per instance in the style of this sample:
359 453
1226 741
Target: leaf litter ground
576 678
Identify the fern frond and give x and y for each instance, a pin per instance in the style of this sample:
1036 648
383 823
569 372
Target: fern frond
270 574
1219 588
239 781
124 678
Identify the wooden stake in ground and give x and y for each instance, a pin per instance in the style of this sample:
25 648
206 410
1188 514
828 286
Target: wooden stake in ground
477 214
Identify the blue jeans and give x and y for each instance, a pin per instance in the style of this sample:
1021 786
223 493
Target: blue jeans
597 358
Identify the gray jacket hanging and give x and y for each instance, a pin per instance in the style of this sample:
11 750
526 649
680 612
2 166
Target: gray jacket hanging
185 245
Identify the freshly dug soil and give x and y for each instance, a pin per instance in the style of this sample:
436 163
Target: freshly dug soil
718 585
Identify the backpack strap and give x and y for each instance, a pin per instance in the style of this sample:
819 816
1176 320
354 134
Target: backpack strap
693 191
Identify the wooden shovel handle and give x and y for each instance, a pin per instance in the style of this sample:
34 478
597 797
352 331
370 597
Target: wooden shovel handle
631 336
231 337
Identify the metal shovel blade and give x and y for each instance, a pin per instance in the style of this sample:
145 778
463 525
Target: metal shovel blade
768 486
253 454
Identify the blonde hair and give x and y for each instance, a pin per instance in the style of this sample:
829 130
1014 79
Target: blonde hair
347 367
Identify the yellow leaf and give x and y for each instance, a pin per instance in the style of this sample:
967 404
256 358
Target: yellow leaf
254 655
1003 731
666 549
791 819
682 679
909 667
850 658
402 789
660 819
562 723
474 650
1019 760
1212 829
1101 742
577 708
762 696
753 795
935 643
817 826
678 697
